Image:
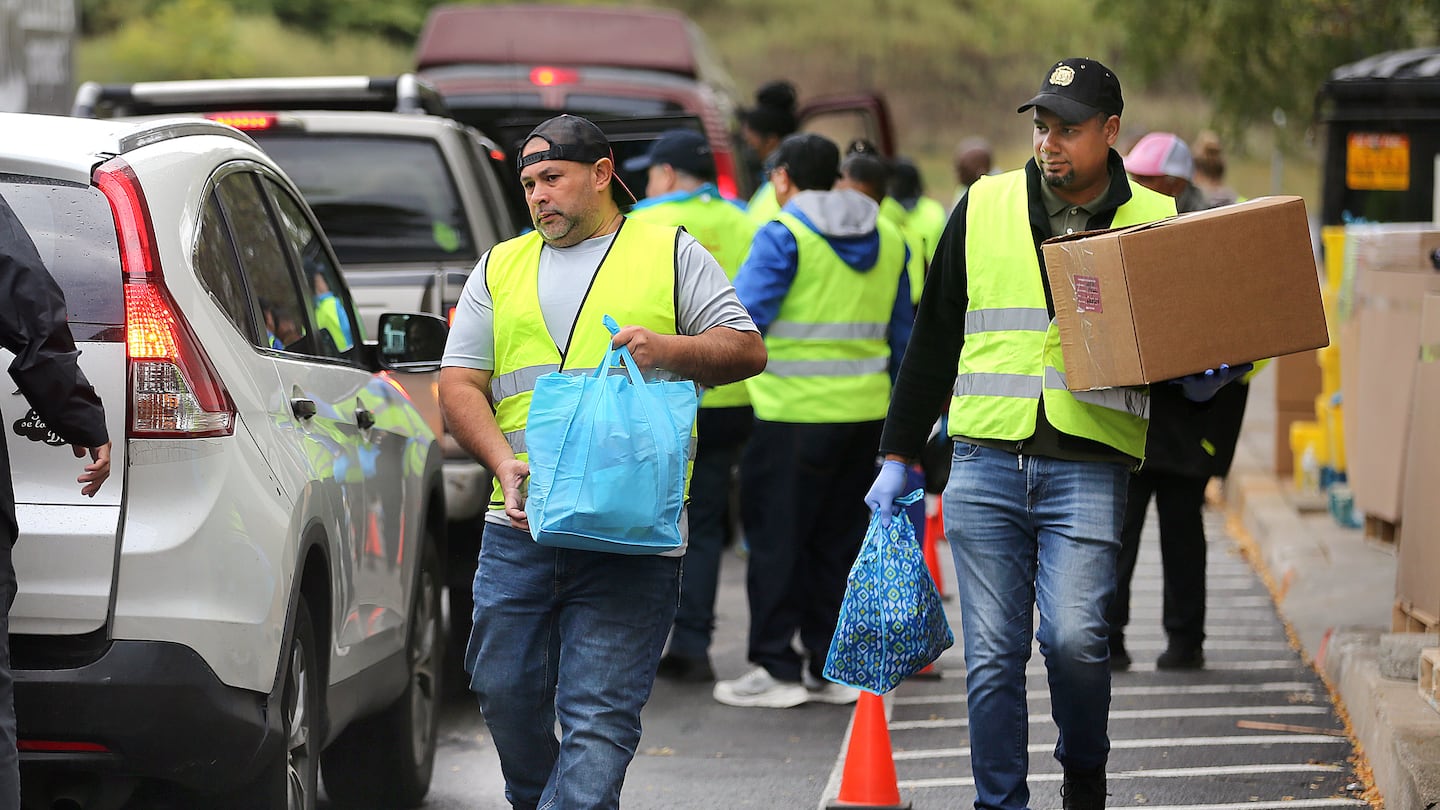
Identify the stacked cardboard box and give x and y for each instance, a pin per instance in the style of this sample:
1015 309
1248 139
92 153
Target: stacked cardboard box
1417 581
1297 384
1389 270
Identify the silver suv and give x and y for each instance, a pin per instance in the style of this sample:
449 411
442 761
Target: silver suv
409 199
257 591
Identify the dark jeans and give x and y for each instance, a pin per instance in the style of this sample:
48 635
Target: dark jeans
1179 500
723 432
567 637
1227 413
803 505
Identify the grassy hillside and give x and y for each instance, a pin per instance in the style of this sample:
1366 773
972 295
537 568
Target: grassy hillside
949 69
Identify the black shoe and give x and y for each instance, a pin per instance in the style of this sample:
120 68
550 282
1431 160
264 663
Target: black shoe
685 670
1119 659
1178 657
1083 790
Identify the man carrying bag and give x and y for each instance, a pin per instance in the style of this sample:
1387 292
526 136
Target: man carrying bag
563 634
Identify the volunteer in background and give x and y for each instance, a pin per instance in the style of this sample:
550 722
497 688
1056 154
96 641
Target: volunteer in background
1178 462
1036 494
763 127
562 636
825 281
681 191
973 160
923 217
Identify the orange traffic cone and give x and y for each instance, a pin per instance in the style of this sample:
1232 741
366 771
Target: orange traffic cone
869 777
934 530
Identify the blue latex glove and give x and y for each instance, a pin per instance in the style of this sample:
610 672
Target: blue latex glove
1203 386
888 486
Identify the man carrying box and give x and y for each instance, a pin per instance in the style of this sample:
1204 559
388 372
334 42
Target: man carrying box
1038 477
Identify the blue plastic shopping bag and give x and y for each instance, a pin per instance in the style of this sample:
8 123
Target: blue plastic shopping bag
892 623
608 454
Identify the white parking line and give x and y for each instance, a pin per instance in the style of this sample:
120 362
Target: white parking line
958 670
1131 691
1142 744
1137 714
1165 773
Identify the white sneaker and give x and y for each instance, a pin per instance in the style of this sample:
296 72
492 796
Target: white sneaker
758 688
822 691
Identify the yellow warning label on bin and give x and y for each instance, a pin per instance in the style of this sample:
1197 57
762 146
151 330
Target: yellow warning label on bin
1377 161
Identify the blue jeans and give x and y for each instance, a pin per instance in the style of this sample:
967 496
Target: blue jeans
1028 530
572 636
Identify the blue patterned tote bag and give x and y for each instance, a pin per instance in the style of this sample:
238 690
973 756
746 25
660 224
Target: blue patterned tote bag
608 454
891 624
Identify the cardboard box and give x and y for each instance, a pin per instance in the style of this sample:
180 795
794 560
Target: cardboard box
1417 575
1377 383
1390 246
1159 301
1297 380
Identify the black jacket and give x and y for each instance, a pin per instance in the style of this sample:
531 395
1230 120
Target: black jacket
46 367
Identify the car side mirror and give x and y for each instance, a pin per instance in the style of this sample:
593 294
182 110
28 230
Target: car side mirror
411 341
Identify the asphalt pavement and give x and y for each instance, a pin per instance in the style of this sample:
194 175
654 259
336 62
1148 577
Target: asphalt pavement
1259 727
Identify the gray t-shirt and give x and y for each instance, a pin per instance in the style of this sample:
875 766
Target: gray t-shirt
705 300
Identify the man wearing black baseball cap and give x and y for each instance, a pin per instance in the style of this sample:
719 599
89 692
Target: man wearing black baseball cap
578 649
681 190
1038 476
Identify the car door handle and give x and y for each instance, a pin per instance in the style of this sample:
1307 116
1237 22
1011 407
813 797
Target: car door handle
302 408
364 418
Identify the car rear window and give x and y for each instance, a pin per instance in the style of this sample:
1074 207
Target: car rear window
74 232
379 199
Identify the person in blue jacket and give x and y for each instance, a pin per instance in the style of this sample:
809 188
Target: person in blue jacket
825 283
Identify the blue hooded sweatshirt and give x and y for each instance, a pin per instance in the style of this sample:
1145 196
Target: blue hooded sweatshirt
846 219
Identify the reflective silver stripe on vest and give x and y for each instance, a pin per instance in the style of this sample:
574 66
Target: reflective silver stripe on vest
518 381
978 384
1135 402
1010 319
828 368
828 331
516 438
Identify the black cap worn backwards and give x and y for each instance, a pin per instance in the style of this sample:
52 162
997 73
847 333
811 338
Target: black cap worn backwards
570 137
685 149
812 161
1077 89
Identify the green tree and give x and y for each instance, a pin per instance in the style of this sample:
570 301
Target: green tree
1251 58
181 38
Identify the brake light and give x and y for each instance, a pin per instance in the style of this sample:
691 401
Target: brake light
245 120
725 176
62 747
550 76
497 155
174 390
450 317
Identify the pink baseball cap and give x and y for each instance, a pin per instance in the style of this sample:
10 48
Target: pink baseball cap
1160 154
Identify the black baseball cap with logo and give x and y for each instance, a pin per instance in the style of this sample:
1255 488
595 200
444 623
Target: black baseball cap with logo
570 137
1078 89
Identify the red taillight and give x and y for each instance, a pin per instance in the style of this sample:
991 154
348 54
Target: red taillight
725 175
245 120
62 747
550 76
497 155
174 390
450 317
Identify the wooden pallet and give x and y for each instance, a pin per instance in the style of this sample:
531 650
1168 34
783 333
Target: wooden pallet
1430 677
1382 531
1406 618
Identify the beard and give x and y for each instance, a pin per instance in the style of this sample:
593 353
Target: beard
1059 180
557 228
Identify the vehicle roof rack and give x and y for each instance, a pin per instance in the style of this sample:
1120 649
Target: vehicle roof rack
405 93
